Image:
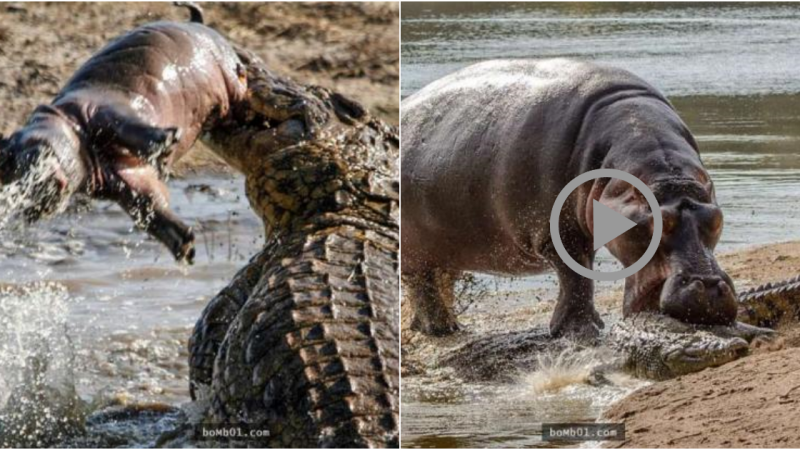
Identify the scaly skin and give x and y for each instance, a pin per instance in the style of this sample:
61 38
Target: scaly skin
304 341
659 347
769 304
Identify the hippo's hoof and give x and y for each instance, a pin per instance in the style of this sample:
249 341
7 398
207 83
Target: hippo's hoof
430 327
184 250
186 253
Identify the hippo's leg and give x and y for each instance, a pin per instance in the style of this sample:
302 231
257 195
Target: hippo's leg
146 199
574 316
431 293
143 140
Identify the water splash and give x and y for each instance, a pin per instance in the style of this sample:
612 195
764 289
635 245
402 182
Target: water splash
39 405
558 369
33 196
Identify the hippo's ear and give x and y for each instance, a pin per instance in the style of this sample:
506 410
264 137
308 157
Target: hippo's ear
710 189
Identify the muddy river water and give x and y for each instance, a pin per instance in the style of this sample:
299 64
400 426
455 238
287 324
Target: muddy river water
107 307
731 71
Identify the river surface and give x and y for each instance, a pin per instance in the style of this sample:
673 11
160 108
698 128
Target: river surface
106 306
731 70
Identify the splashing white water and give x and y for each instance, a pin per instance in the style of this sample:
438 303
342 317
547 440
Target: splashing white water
34 192
558 369
38 401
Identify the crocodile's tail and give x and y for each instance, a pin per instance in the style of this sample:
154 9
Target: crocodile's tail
768 304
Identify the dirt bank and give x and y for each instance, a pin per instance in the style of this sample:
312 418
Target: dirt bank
350 47
752 402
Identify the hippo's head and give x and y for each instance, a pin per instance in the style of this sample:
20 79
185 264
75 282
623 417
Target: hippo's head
683 280
43 157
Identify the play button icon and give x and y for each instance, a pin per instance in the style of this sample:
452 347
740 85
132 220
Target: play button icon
608 224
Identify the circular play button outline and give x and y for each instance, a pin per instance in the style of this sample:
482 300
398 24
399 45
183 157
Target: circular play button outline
556 213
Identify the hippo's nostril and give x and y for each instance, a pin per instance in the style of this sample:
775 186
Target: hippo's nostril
724 288
696 287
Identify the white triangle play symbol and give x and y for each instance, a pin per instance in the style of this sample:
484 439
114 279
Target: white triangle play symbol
608 224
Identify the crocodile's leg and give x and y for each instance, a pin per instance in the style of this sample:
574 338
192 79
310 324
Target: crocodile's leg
312 356
213 324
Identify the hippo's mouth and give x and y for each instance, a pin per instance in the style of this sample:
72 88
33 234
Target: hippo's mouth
647 293
49 194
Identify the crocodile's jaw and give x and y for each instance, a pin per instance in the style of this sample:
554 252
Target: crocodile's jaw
704 351
659 347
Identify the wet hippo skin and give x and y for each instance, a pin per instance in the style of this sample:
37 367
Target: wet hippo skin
485 152
124 117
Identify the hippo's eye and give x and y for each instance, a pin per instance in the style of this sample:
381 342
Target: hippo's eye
670 218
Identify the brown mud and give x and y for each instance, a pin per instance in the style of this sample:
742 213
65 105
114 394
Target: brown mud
348 47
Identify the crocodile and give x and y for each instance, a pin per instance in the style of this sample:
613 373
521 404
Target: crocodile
304 341
658 347
646 345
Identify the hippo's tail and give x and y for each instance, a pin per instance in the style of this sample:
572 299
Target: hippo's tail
195 11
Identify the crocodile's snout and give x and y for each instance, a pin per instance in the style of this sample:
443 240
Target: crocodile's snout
700 351
656 346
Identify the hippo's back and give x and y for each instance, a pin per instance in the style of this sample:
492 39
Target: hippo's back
167 64
499 95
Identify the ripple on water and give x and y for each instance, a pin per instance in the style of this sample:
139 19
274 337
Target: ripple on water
441 410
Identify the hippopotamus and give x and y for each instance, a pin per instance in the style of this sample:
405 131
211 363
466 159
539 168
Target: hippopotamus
124 117
486 151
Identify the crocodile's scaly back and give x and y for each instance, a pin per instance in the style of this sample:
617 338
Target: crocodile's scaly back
312 355
768 304
304 342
